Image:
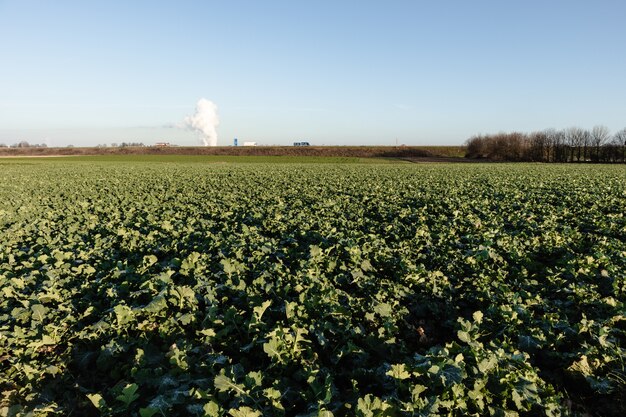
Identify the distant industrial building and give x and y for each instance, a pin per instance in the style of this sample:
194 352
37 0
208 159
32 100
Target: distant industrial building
249 144
301 144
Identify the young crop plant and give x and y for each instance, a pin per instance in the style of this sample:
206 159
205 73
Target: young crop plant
192 289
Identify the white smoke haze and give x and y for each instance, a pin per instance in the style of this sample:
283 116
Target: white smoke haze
204 121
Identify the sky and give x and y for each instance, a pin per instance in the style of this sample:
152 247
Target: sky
349 72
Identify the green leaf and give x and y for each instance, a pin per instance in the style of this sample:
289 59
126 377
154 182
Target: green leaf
39 311
123 314
148 411
478 316
434 369
314 251
518 400
451 374
464 336
211 409
149 260
398 371
224 384
487 364
254 379
383 309
417 391
371 406
97 401
273 348
185 319
129 394
228 266
244 412
366 265
582 366
259 310
157 304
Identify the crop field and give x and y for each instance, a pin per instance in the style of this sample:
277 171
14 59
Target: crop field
145 289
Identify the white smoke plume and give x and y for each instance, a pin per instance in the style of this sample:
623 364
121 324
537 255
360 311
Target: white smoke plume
204 121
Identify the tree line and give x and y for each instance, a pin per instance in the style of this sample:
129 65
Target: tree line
24 144
573 144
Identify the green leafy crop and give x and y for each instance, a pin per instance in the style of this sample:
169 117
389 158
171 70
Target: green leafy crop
164 289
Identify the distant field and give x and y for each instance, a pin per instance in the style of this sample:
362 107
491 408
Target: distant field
211 159
283 151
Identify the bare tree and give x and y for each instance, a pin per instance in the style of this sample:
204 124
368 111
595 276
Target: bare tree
599 136
475 147
619 139
538 147
575 138
518 146
560 146
570 145
584 139
21 144
586 143
550 144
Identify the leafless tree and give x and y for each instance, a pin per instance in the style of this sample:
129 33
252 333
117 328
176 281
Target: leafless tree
547 143
538 147
475 147
575 138
586 144
518 147
600 135
559 146
571 145
619 138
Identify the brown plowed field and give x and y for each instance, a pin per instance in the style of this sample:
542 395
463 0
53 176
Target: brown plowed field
404 152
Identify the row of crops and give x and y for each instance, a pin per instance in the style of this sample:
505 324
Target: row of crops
165 289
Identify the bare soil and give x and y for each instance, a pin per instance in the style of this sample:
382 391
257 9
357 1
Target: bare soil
452 153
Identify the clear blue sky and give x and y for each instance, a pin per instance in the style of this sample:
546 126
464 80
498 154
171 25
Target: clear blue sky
332 72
